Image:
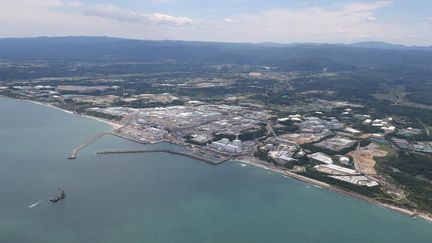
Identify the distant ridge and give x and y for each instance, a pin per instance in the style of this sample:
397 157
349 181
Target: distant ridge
289 57
385 45
106 39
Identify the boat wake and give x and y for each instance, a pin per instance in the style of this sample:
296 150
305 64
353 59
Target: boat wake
35 204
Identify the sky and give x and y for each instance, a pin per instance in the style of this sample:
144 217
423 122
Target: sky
284 21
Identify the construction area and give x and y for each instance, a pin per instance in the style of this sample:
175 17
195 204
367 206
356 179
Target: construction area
363 158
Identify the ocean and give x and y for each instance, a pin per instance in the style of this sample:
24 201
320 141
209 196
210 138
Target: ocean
161 197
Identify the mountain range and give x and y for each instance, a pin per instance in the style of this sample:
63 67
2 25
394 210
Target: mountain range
290 57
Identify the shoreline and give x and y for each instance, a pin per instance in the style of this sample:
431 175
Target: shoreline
264 165
114 125
404 211
49 105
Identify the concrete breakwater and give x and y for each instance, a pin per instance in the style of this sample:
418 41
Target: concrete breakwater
193 155
205 156
75 152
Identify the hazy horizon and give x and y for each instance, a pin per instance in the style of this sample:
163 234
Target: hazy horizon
253 21
227 42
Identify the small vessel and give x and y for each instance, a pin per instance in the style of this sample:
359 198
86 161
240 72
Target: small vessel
58 197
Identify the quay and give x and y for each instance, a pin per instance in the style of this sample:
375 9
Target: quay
192 155
119 135
75 152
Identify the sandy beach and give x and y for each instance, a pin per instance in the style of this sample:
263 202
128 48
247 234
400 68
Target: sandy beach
49 105
113 124
264 165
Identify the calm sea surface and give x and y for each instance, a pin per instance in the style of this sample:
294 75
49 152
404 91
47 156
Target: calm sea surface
161 197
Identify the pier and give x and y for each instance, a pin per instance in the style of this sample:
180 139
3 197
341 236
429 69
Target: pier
193 155
207 156
75 152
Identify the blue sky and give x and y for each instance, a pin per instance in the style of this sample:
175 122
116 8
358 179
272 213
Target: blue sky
397 21
217 8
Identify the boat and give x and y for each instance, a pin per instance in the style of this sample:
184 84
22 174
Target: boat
58 197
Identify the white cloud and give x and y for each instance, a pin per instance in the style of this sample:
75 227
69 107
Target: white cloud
120 14
370 6
23 18
161 18
228 20
339 23
350 22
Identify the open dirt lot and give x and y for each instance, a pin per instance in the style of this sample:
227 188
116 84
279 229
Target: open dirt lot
364 158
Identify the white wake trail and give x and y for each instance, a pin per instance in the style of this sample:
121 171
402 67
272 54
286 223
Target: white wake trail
35 204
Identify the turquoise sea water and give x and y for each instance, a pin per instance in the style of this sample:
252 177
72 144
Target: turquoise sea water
161 197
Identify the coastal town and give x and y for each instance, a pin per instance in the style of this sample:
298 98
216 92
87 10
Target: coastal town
337 147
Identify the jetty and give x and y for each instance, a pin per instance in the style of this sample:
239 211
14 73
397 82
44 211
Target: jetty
194 155
207 156
75 152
